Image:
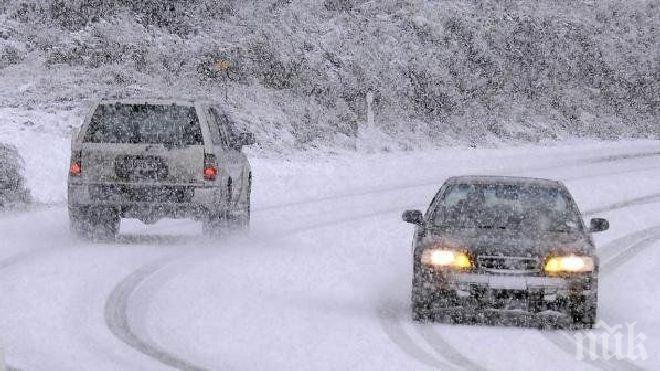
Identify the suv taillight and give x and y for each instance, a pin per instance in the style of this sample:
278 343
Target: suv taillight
75 168
210 167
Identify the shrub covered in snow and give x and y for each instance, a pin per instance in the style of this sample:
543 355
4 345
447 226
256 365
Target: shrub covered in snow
13 191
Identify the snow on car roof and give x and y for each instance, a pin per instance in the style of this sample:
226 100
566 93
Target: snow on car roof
498 179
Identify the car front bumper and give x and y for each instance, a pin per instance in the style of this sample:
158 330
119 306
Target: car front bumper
489 297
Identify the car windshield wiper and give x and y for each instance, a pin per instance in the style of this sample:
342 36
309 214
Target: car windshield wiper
466 226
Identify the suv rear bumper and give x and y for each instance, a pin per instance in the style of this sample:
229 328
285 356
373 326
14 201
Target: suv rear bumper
158 200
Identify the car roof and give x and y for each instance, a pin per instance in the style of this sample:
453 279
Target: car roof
497 179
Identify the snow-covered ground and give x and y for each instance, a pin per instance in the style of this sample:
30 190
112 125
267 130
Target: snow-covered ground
323 279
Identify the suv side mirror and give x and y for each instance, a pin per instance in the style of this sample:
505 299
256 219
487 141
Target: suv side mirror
599 225
413 217
241 139
245 138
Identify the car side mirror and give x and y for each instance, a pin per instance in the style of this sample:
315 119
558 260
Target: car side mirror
599 225
413 217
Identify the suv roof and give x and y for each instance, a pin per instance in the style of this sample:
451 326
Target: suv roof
178 102
227 109
496 179
167 101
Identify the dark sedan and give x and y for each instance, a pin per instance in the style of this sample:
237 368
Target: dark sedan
504 250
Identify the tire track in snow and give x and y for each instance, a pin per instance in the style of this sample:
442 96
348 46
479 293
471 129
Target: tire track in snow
434 181
8 262
390 322
116 307
441 346
116 317
16 258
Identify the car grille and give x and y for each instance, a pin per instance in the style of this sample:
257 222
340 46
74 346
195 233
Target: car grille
151 194
508 264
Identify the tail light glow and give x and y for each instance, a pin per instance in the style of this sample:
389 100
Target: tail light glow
210 167
75 169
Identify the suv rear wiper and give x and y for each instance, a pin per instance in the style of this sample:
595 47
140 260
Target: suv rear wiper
172 144
491 227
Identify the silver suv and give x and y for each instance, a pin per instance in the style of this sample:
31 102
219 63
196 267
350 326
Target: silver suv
155 159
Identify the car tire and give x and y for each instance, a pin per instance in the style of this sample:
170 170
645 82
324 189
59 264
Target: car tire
420 312
420 305
583 312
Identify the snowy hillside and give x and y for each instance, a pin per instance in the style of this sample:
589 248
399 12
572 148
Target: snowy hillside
441 71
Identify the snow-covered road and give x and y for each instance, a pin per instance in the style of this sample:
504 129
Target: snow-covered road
323 279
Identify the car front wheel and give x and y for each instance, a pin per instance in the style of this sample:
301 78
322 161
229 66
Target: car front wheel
583 311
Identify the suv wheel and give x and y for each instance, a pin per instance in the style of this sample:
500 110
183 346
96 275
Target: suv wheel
231 220
94 223
240 219
217 224
214 224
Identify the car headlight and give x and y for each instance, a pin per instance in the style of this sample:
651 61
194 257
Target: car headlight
445 258
569 264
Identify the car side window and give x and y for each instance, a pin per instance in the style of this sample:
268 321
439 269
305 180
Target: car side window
218 128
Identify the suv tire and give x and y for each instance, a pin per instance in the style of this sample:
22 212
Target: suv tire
240 219
100 223
214 224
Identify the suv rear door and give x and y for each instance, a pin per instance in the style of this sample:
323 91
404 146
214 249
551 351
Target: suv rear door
221 136
143 143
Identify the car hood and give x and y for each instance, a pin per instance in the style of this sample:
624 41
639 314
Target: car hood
505 242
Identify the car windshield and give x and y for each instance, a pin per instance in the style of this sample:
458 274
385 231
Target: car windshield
506 206
144 124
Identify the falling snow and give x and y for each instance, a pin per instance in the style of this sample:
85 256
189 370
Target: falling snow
221 184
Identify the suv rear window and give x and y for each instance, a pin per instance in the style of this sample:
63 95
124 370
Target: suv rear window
144 123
